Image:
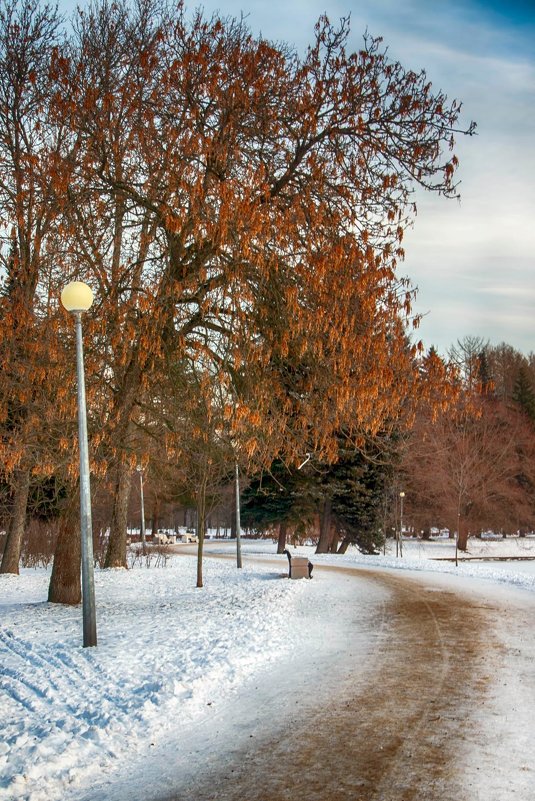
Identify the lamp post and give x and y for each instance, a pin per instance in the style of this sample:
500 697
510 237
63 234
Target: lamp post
143 545
77 298
401 496
457 538
238 516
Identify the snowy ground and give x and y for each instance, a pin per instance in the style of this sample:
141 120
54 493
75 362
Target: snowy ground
87 723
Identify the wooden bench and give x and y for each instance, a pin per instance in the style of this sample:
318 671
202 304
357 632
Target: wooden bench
298 566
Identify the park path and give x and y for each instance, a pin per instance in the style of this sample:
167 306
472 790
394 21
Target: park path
402 724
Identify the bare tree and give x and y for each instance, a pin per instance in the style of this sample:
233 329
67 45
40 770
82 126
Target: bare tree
463 470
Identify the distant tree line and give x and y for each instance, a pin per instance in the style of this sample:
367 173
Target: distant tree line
471 468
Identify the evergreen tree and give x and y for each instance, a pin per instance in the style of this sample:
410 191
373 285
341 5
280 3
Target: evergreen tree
352 488
279 496
357 483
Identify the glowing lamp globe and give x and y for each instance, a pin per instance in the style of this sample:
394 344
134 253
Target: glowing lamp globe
77 296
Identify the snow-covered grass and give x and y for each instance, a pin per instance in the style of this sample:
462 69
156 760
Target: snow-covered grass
167 654
427 555
166 650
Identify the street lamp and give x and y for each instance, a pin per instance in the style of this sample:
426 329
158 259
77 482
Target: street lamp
238 520
143 546
401 496
77 298
457 538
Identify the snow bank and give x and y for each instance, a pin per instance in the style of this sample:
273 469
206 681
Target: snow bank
165 651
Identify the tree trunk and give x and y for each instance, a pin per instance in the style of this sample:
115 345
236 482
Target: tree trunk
201 526
11 557
281 544
155 521
325 528
116 553
65 585
462 535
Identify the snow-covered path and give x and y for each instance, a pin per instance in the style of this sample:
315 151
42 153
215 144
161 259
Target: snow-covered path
441 708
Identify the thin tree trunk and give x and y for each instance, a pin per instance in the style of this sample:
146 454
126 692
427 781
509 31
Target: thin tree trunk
201 525
65 585
281 544
116 553
155 521
343 545
462 535
11 557
325 528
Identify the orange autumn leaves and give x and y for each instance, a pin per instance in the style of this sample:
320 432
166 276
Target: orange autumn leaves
239 207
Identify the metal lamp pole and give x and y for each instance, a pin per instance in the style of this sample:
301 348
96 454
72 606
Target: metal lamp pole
143 545
457 538
238 516
77 297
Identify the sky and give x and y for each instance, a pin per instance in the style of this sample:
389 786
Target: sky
472 261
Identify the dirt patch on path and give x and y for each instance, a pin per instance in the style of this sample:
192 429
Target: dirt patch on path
392 733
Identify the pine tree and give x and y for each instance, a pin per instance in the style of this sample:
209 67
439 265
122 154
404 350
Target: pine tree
279 496
356 485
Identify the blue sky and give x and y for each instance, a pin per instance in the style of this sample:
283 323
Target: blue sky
474 261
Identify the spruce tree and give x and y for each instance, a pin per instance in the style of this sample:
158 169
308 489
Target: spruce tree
356 484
